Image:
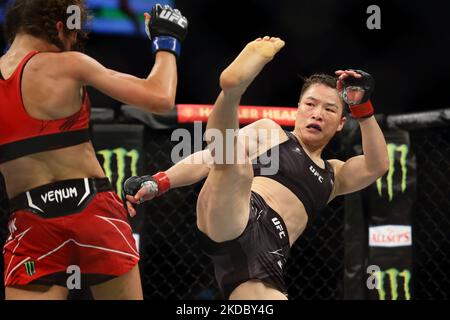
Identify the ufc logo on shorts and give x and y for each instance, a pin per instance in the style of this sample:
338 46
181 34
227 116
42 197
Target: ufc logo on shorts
173 17
279 227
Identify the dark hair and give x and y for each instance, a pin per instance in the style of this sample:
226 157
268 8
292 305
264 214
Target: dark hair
39 17
325 79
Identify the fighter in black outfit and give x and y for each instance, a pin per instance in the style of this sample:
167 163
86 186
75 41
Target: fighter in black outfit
248 219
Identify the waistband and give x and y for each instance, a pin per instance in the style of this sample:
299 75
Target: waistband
60 198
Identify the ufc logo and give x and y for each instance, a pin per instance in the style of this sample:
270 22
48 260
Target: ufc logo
316 174
173 17
279 227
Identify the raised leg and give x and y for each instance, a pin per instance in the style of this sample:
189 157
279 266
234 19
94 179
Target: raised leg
223 203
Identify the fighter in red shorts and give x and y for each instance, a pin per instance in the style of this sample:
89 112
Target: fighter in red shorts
63 210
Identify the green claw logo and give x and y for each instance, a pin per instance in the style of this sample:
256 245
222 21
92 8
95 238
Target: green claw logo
403 149
392 282
30 268
122 166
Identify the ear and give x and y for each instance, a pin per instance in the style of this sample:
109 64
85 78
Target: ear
60 28
341 124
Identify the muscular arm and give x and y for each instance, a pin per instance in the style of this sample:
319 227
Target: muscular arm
197 166
155 94
190 170
361 171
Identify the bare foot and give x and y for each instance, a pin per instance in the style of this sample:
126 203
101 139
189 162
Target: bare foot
249 63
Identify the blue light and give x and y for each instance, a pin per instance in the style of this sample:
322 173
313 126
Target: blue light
111 25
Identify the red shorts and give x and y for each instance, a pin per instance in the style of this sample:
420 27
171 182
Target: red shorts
77 223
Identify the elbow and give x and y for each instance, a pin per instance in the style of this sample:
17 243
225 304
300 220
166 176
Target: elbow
382 168
385 163
385 166
167 103
164 107
161 104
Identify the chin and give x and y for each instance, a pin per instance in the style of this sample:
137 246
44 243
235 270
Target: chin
316 140
313 139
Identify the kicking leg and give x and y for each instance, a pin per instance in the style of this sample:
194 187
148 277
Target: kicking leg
223 203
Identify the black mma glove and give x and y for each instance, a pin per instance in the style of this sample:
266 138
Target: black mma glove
362 108
156 185
166 29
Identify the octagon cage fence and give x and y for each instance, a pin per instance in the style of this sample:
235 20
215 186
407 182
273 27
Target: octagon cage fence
173 266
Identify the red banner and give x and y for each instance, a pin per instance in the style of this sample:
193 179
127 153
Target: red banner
188 113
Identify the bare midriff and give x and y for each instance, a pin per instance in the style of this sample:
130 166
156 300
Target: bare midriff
35 170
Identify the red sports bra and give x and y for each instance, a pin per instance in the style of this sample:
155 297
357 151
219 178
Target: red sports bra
22 135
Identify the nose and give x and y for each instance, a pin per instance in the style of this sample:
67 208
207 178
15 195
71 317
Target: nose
317 114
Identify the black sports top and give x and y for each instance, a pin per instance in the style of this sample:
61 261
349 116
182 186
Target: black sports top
311 184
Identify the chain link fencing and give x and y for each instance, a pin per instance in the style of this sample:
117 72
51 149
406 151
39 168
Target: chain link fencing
431 214
174 267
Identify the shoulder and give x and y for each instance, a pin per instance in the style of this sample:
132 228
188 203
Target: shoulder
265 123
265 132
62 63
79 66
335 162
262 128
336 165
69 56
57 57
69 59
77 61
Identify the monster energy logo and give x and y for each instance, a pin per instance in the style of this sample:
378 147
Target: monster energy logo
29 268
392 149
121 156
393 275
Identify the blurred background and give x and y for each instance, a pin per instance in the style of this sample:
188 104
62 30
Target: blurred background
408 57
